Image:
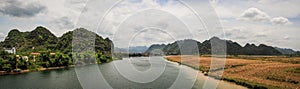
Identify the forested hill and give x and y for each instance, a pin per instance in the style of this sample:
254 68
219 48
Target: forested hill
41 39
233 48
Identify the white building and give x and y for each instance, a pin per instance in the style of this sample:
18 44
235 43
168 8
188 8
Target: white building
10 50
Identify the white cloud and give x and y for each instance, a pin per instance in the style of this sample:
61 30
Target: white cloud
285 8
64 22
214 1
236 32
286 37
280 21
19 8
254 14
231 9
163 19
261 33
2 36
62 16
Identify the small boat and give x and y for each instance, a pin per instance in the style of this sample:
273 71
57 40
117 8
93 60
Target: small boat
17 70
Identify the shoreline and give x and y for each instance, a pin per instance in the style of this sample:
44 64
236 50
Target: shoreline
40 69
206 74
3 73
244 83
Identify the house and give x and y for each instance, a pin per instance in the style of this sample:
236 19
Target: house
10 50
37 53
34 54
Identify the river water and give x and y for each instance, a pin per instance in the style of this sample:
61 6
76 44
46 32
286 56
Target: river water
129 73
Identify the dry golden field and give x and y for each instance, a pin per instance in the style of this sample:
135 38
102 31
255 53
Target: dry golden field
252 72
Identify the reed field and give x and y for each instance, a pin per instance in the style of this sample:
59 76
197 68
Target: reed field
251 71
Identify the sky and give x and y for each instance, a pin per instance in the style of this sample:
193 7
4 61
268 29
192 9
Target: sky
146 22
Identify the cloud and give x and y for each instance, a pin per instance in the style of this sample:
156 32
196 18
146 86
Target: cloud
61 14
17 8
235 33
173 8
286 37
254 14
285 8
77 5
240 37
2 36
63 23
227 34
281 21
214 1
260 35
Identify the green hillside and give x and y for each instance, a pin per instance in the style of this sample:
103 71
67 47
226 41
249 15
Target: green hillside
40 48
41 39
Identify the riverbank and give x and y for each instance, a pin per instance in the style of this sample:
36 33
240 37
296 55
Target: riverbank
251 72
39 69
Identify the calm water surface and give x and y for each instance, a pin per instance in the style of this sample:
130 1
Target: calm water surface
67 78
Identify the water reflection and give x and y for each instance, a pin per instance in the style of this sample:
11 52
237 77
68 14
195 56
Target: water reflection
67 78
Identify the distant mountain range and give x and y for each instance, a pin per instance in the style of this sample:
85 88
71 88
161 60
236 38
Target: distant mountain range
134 49
41 39
232 48
285 50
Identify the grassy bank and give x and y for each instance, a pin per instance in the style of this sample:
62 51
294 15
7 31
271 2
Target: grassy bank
252 72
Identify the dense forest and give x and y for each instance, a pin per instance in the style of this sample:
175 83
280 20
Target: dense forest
42 49
232 48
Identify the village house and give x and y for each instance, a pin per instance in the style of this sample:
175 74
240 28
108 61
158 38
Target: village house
10 50
35 54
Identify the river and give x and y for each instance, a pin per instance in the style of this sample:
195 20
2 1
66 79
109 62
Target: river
136 73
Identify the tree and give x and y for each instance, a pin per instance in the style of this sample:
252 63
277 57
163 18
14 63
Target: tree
6 61
58 59
102 58
32 66
66 60
21 63
13 61
44 59
4 65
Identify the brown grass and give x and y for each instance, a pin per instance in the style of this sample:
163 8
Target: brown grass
268 72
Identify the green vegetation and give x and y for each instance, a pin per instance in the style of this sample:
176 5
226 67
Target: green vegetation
250 85
9 61
6 65
283 59
294 70
42 49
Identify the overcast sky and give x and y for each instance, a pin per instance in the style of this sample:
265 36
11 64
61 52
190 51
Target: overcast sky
144 22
